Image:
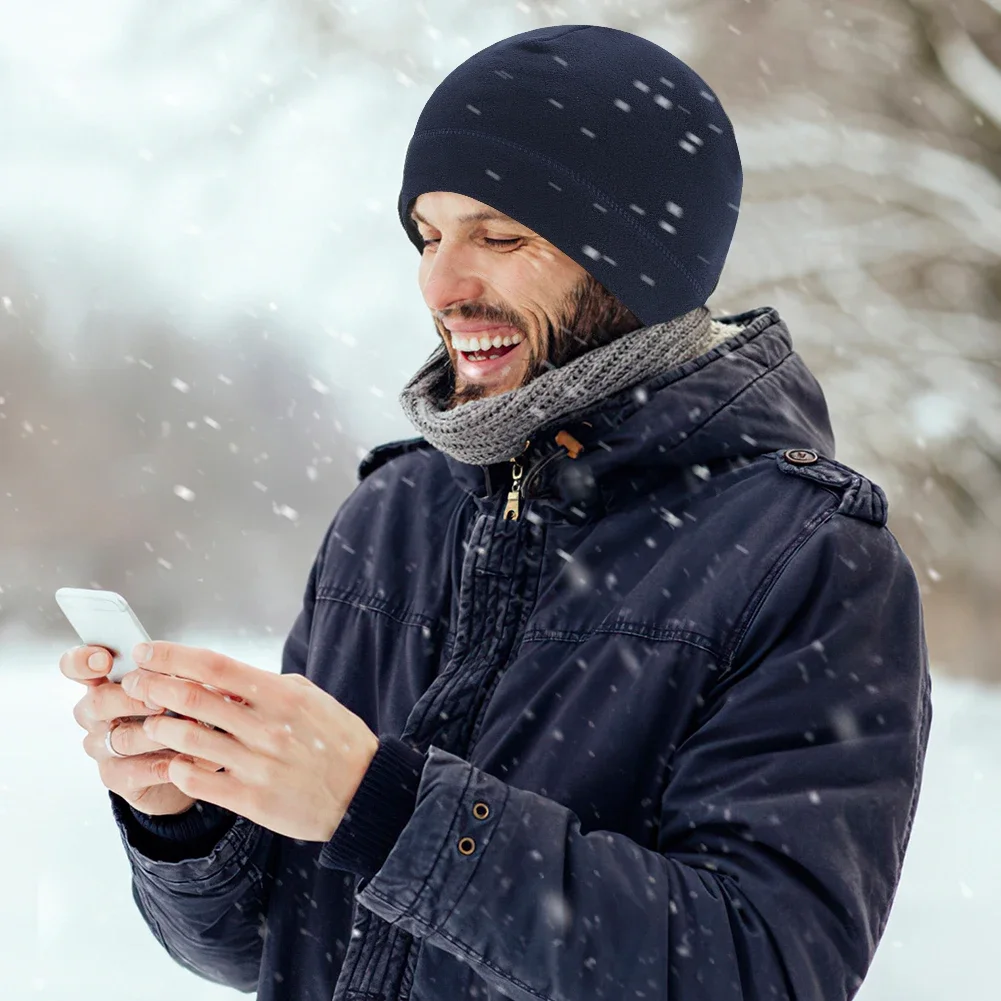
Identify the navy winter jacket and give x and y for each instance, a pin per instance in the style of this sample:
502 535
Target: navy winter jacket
658 736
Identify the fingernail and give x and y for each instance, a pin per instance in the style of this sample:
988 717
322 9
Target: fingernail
98 661
129 681
154 707
142 652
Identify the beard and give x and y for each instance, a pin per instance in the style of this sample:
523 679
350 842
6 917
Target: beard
588 318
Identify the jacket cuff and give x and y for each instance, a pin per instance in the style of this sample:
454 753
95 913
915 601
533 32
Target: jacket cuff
174 837
380 809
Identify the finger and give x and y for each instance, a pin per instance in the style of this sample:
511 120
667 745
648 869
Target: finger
206 667
220 788
96 748
106 701
127 776
130 738
194 740
76 664
190 699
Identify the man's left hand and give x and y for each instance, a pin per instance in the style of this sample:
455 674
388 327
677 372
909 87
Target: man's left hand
293 756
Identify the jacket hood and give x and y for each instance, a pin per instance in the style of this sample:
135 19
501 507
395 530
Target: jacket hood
750 395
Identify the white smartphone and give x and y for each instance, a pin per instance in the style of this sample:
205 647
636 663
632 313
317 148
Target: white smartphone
104 618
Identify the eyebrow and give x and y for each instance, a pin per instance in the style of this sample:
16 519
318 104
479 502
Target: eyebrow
470 217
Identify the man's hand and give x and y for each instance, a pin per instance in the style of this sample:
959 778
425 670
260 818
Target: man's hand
141 777
293 756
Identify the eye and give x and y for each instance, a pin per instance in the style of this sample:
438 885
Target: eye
506 242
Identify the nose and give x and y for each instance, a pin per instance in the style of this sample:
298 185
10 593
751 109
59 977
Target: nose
447 277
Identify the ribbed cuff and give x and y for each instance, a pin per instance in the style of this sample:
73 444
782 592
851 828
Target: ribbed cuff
381 808
174 837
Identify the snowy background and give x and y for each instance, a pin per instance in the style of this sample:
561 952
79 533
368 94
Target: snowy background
208 305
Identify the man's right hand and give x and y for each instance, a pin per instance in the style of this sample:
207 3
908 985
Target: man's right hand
140 777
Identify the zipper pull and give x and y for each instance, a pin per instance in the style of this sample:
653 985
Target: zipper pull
513 495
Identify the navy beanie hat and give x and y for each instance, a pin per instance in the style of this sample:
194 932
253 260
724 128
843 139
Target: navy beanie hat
600 141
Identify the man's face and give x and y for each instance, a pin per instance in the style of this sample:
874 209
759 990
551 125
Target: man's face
507 303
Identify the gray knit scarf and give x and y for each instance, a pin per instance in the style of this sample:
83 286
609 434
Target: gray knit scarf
496 428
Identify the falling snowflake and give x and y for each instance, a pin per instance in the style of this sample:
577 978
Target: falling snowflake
284 511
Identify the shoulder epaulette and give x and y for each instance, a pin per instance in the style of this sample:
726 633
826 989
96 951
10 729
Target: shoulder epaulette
860 497
382 454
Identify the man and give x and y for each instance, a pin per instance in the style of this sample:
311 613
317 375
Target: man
612 684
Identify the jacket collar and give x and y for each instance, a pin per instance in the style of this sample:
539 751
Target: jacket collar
750 395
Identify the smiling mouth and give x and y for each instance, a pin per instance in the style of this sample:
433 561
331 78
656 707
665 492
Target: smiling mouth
487 344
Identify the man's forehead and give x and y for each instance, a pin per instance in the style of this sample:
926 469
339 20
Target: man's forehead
457 207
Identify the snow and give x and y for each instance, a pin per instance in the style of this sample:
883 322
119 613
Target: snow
69 927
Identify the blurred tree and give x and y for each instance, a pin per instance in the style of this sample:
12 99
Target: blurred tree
196 476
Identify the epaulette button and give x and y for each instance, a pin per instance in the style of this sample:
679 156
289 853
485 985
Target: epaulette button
801 456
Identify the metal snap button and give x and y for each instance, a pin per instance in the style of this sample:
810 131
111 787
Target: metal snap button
801 456
481 811
467 846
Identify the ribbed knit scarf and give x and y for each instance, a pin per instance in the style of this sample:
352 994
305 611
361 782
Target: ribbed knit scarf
496 428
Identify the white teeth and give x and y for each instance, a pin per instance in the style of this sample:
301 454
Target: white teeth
473 344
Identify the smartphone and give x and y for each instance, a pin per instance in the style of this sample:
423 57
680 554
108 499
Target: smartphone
104 618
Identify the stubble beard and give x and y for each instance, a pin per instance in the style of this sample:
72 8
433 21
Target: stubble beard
589 318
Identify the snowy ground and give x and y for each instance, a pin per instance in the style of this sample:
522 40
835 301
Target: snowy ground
69 929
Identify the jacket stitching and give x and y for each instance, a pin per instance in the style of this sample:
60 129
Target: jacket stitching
372 603
430 929
638 629
525 613
479 860
757 599
630 405
237 855
461 947
727 403
453 824
482 659
458 664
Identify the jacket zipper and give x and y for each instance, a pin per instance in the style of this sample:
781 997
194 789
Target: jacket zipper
513 506
512 510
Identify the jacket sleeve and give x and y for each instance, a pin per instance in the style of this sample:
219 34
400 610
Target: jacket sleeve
199 882
783 823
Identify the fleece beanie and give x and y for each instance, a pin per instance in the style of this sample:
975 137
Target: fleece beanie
601 141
